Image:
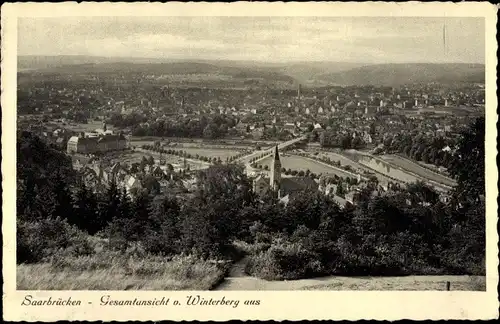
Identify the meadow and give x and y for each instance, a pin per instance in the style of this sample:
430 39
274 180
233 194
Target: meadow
300 163
98 266
116 271
209 152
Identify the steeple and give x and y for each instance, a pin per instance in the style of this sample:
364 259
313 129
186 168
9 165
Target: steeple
275 174
276 154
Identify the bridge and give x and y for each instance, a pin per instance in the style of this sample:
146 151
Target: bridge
246 159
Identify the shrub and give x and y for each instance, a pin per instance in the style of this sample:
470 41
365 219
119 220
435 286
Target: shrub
38 240
284 261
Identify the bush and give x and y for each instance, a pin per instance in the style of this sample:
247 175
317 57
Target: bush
39 240
284 261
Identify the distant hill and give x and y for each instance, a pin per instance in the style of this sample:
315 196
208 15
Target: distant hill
84 65
35 62
399 74
307 73
304 72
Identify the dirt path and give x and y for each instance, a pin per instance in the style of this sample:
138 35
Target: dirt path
238 280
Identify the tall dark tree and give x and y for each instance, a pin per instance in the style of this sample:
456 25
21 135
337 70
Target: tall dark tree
63 195
468 165
108 205
85 214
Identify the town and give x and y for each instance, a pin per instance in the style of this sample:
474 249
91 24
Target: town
292 153
147 135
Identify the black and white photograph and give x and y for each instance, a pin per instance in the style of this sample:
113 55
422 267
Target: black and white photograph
250 153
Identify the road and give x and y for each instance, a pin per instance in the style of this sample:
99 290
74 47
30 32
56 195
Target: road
239 280
246 159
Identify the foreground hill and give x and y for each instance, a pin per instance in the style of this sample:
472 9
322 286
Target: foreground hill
398 74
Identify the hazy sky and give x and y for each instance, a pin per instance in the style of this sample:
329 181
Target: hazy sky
361 39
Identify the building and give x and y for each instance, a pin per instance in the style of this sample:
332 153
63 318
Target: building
98 144
285 186
275 176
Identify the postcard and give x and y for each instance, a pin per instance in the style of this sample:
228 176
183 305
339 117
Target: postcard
249 161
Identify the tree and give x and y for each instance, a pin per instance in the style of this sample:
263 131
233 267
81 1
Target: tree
151 185
346 142
162 233
468 165
357 142
309 209
422 193
211 219
134 168
144 162
210 131
108 205
64 200
85 215
340 190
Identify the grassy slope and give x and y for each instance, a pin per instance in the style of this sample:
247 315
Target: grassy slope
118 272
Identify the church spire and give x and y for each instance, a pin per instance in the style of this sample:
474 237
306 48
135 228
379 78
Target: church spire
275 176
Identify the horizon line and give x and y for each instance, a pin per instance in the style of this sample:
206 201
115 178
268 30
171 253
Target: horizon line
240 60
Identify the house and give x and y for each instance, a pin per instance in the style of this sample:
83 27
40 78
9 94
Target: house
157 172
340 201
132 184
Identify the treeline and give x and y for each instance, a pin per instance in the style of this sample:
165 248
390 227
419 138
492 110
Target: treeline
182 153
203 127
409 231
332 139
421 147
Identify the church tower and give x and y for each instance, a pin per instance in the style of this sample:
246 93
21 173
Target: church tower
275 177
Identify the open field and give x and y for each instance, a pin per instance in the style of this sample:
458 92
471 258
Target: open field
337 157
234 143
78 127
417 169
464 283
300 163
119 273
209 152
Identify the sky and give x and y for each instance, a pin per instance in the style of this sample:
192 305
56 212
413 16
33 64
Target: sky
271 39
